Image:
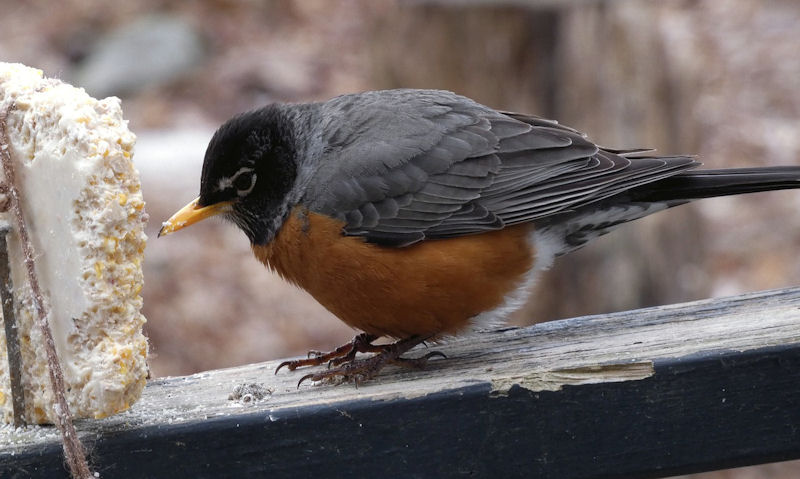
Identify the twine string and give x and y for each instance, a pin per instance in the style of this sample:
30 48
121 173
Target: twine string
73 449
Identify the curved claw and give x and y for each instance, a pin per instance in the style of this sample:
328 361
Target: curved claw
420 362
434 354
285 363
343 365
307 376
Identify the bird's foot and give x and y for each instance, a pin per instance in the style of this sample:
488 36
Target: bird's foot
360 370
362 343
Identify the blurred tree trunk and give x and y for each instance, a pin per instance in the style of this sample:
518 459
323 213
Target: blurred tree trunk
470 50
599 67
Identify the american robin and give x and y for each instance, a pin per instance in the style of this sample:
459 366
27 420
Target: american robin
415 214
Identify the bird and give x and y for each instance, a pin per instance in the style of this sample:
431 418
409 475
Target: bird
416 215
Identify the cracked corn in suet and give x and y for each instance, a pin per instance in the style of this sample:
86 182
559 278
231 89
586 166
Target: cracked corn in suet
83 205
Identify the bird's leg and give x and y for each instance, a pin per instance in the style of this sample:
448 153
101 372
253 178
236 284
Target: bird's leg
367 348
358 370
362 343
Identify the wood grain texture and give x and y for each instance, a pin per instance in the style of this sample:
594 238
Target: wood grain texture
646 393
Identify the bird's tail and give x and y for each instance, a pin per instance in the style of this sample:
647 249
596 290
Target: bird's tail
574 229
696 184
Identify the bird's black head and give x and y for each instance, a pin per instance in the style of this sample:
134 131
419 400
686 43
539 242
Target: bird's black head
250 166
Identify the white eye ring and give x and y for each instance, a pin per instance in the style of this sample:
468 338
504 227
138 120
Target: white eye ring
225 183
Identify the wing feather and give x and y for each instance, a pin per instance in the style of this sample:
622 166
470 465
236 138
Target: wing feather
401 166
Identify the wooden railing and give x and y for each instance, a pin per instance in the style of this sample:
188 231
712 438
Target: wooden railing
646 393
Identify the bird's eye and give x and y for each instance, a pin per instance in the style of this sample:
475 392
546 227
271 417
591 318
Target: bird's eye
244 182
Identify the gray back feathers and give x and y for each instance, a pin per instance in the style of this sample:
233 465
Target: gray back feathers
400 166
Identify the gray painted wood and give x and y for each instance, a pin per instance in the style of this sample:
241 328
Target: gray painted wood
620 350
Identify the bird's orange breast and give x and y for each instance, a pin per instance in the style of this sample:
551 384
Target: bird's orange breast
430 288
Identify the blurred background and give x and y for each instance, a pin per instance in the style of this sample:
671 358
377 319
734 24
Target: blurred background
716 78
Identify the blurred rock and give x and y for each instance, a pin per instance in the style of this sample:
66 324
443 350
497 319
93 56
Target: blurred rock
146 53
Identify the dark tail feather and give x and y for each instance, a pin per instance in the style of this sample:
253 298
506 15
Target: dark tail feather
693 185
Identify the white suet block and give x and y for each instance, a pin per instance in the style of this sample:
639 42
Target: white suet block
82 201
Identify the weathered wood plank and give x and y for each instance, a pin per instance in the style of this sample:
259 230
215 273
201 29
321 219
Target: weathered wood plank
644 393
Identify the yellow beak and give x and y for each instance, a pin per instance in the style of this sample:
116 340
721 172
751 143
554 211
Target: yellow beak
191 214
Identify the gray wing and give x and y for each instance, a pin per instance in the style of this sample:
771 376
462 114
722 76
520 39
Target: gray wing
400 166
